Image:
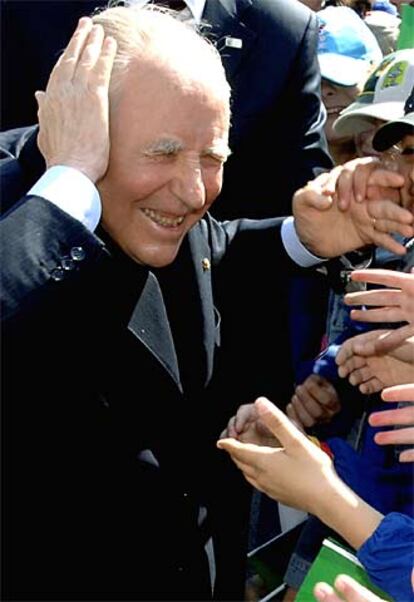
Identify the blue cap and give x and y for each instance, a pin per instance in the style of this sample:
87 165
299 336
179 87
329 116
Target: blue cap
347 48
385 6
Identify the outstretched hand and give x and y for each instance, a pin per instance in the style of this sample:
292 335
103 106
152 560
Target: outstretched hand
328 230
287 473
399 417
392 305
247 426
371 371
74 111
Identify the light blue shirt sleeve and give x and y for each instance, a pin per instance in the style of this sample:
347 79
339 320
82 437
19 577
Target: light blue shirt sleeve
73 192
294 248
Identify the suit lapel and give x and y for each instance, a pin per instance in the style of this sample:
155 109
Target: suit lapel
225 19
201 255
149 323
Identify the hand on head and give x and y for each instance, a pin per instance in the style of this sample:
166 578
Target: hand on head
77 97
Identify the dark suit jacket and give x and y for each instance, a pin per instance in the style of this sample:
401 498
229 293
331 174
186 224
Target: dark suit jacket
278 142
108 426
277 116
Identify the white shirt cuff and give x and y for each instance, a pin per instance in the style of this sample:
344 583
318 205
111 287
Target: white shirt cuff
71 191
294 248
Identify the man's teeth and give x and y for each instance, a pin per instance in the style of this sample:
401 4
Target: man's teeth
162 220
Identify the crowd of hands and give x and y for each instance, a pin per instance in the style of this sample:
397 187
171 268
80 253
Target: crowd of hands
270 446
272 449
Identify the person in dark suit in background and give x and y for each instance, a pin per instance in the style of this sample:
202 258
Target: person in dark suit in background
109 326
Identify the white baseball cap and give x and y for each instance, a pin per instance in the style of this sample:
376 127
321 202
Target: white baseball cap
394 131
383 96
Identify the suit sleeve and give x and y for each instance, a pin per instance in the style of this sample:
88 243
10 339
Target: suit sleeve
43 251
302 99
256 245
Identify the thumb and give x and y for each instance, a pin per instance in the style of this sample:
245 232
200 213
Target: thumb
278 423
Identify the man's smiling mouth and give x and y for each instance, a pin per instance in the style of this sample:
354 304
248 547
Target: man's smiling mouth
163 220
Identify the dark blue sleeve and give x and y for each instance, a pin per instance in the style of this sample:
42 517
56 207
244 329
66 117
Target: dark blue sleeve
388 556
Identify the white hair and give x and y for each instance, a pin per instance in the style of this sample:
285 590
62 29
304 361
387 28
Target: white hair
150 31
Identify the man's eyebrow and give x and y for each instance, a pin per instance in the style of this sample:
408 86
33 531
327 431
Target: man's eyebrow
166 146
220 150
169 146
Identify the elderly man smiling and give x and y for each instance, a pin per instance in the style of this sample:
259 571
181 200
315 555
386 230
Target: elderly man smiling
109 327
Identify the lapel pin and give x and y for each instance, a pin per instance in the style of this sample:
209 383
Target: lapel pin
233 42
229 42
206 264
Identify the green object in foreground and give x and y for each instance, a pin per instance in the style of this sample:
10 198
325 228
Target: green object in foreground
406 35
333 560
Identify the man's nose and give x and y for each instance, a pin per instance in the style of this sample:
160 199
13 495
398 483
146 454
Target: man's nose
188 186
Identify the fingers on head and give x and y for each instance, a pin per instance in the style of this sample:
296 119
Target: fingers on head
89 51
65 66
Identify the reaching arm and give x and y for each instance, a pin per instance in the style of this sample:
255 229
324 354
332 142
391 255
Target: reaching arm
301 475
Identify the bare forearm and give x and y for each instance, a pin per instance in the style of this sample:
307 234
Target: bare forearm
346 513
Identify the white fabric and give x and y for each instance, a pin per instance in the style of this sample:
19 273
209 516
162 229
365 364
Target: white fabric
194 11
294 248
71 191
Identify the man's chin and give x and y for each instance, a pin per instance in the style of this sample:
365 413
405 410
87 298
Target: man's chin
154 258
